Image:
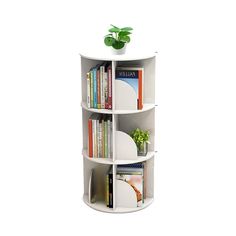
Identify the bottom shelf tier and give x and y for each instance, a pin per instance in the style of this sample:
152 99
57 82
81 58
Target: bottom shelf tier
100 206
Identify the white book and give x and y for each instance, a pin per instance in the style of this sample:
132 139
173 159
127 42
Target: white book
88 90
94 138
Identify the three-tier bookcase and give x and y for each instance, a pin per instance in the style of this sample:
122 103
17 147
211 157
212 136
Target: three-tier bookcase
123 122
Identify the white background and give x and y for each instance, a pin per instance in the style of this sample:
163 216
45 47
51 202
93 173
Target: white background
40 115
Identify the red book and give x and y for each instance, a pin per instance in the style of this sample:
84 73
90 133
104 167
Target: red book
140 89
90 139
109 88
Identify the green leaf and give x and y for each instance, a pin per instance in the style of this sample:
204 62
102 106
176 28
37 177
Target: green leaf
126 29
118 44
114 30
115 26
123 33
125 38
109 41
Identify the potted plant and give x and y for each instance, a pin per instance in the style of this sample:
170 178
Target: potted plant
141 138
118 38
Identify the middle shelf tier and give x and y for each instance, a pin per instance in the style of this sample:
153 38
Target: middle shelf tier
109 161
146 107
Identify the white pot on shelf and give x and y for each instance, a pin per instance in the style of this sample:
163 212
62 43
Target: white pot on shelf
118 51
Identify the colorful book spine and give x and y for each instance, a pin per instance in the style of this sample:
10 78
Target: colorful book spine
91 89
98 90
106 89
140 89
95 88
109 87
102 87
88 90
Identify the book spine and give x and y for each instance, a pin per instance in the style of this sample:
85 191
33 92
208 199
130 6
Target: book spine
100 138
109 88
91 89
107 190
101 86
90 141
106 89
108 138
97 137
94 88
103 139
94 138
110 190
111 144
140 89
98 90
88 90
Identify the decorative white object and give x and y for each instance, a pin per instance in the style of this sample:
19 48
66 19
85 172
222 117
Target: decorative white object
125 118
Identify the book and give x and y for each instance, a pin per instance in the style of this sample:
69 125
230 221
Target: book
109 73
133 175
99 135
91 89
109 188
134 76
88 90
98 89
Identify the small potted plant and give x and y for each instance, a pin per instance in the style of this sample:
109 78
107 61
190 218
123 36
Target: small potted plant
141 138
117 39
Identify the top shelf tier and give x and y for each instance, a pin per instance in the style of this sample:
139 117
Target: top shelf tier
105 56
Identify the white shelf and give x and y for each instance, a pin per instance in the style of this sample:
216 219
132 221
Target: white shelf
125 118
146 107
107 56
100 206
108 161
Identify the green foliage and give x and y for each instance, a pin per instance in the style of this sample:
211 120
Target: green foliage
140 137
117 37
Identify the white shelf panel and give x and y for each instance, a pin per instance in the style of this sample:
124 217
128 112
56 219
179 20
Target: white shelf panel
100 206
146 107
147 202
108 161
107 56
139 159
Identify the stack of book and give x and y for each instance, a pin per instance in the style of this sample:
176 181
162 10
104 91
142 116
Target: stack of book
99 87
100 136
134 76
134 175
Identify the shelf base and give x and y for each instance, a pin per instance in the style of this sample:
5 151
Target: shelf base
100 206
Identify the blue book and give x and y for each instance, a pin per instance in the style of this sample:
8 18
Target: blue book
95 104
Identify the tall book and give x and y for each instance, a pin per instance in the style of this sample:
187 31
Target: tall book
109 73
88 90
134 76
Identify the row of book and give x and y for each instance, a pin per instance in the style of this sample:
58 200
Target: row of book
99 86
100 136
134 175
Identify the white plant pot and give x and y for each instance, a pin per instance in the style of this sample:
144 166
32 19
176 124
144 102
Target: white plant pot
118 51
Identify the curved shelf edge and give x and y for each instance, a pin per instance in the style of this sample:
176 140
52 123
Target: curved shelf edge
118 162
100 206
146 107
124 57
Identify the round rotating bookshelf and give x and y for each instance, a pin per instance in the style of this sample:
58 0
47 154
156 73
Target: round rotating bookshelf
111 109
